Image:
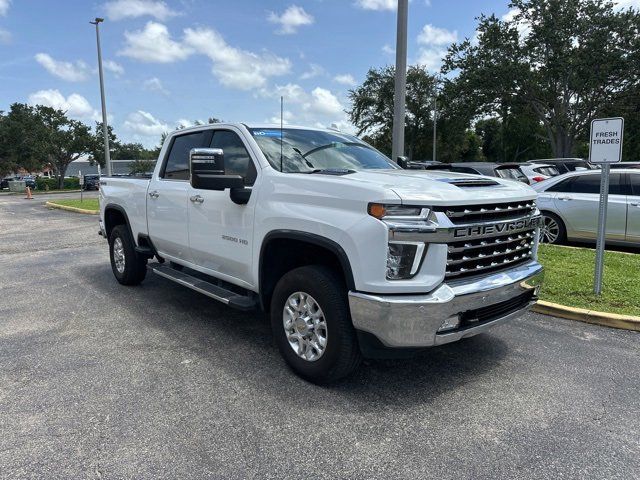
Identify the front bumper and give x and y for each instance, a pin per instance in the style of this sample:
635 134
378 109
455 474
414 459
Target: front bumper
409 321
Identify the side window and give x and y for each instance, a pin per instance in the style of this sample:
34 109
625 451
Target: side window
236 158
177 165
590 184
617 185
563 186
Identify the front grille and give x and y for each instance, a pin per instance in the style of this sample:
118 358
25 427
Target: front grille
473 257
485 213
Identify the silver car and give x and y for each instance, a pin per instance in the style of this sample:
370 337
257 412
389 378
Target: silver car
569 205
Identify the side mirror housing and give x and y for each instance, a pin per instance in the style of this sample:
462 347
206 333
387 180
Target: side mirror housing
403 162
206 166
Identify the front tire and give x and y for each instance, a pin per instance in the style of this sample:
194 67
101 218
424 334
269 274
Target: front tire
553 230
128 267
312 326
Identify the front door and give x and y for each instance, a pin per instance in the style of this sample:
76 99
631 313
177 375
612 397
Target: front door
633 210
221 231
168 197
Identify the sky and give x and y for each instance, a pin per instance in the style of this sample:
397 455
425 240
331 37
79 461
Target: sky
171 62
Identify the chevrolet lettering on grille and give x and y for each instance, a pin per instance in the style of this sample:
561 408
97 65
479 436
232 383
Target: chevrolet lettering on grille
497 228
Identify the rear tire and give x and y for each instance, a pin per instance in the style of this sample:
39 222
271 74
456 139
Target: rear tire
312 326
553 230
127 265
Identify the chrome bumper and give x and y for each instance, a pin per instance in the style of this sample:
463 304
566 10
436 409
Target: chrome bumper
401 321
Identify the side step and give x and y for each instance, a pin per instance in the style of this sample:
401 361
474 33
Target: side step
241 302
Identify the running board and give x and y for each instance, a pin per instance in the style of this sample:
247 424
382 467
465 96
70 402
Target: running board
235 300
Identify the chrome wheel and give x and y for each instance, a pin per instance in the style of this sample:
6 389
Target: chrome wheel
305 326
550 231
118 254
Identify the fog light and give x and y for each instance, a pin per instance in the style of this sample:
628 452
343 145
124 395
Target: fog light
450 323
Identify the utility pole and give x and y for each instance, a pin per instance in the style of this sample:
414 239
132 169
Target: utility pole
435 120
105 127
399 97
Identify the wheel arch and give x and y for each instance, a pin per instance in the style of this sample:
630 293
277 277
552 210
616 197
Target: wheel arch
283 250
116 215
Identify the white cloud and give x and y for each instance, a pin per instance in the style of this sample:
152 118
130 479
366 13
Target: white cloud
75 104
314 71
232 66
345 79
522 26
154 44
291 19
434 42
154 84
323 102
287 118
435 36
377 4
113 67
5 37
72 72
144 124
120 9
388 49
4 7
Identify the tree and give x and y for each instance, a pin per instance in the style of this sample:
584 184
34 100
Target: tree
64 140
117 150
372 109
563 60
141 166
21 139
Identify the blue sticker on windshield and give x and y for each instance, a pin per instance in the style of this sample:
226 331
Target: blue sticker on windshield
267 133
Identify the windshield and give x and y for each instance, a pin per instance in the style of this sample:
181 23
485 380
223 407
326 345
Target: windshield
513 173
305 151
549 171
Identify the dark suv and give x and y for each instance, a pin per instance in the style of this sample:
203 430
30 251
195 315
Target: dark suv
91 182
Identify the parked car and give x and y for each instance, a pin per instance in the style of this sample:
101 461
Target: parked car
625 165
4 183
510 171
403 162
565 165
537 172
351 255
91 182
569 206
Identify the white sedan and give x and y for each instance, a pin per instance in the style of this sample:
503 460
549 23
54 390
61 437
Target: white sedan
569 205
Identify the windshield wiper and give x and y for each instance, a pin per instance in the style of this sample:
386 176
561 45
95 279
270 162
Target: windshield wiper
334 145
331 171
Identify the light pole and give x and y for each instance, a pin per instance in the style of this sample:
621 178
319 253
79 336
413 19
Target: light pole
105 127
397 138
435 123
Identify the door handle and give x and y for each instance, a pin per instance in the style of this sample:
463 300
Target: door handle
565 199
154 194
635 204
196 199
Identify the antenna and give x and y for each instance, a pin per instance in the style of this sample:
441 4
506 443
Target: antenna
281 122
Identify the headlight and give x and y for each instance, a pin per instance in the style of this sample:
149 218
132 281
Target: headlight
398 212
403 259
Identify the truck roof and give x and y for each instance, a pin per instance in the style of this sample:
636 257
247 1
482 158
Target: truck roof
270 126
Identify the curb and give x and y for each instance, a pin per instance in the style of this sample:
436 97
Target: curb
612 320
71 209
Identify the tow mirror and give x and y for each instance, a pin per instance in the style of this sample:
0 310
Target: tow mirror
206 166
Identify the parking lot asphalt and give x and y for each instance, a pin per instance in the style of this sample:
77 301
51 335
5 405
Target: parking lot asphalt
98 380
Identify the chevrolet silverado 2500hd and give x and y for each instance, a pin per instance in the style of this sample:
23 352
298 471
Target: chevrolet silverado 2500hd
351 255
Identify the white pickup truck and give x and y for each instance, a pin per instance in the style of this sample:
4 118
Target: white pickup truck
349 254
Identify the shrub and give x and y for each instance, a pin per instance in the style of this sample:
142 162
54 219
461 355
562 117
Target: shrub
52 183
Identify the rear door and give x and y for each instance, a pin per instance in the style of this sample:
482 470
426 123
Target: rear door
577 201
168 197
633 209
221 231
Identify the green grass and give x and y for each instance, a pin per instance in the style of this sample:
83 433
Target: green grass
569 279
86 204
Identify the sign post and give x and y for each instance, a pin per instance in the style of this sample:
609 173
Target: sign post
81 181
605 148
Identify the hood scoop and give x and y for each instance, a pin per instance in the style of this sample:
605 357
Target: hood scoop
469 182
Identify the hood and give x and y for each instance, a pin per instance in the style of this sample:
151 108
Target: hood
424 187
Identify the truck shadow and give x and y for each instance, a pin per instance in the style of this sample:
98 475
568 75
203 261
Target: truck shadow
241 344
